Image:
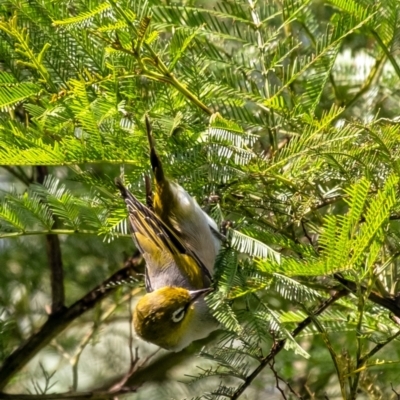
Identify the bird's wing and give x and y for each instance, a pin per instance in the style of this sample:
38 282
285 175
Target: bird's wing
153 237
156 258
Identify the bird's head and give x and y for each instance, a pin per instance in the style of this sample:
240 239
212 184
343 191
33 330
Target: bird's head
173 317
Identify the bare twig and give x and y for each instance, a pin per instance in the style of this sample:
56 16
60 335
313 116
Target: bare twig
135 366
54 325
278 378
306 233
279 345
363 360
396 393
134 358
335 359
372 78
85 341
75 359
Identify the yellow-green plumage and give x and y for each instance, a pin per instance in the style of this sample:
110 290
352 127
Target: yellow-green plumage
153 316
168 261
173 317
181 213
177 243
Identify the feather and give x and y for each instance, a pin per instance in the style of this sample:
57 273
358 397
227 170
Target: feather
169 262
181 212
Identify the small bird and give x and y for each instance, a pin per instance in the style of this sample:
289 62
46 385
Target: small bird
168 261
173 317
173 313
182 214
179 243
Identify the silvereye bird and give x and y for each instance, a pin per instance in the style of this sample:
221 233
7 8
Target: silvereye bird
181 213
172 314
173 317
168 261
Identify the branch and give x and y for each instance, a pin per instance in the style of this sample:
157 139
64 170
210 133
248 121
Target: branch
371 79
135 363
21 176
278 378
279 345
387 52
134 367
53 249
389 303
55 324
163 73
397 394
157 371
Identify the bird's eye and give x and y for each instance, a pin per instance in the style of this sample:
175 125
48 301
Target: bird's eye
178 314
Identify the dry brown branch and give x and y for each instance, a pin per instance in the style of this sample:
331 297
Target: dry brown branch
55 324
279 345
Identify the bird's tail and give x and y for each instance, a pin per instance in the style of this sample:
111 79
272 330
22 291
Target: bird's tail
155 161
142 219
145 221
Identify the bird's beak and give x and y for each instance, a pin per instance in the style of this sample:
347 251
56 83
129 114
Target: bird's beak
195 294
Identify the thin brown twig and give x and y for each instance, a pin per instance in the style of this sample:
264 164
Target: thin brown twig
293 391
135 365
75 359
130 343
106 315
279 378
54 325
132 369
279 345
394 391
303 226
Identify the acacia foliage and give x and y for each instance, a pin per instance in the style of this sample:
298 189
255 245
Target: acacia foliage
287 111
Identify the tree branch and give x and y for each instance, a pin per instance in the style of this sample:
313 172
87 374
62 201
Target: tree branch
53 249
278 378
279 345
371 79
163 73
19 175
55 324
389 303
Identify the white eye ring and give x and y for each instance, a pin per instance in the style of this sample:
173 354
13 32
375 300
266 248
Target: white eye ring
178 314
